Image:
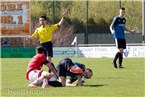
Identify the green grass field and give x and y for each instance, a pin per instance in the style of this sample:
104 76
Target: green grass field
106 81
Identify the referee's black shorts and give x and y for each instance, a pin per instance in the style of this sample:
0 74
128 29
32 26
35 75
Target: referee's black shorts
120 43
48 48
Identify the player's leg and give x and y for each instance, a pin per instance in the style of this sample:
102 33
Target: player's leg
33 76
120 56
38 78
51 82
46 76
49 58
123 45
54 83
61 70
49 50
62 80
117 54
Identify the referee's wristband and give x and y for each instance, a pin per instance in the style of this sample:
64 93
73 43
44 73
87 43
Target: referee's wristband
64 17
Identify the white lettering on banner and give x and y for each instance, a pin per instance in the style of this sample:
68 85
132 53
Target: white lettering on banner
14 14
137 51
15 18
98 52
64 52
93 52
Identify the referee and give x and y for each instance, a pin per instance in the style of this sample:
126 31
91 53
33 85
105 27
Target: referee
117 28
44 32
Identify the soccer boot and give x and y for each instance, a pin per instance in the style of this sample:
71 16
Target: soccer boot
114 64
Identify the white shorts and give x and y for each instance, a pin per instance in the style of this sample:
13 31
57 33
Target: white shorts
33 75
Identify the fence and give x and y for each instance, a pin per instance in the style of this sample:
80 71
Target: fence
80 50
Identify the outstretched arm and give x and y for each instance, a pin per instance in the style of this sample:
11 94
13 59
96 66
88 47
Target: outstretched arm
28 39
64 15
130 30
79 80
52 69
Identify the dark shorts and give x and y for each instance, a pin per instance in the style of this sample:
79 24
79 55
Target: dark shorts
61 70
48 48
120 43
64 66
54 83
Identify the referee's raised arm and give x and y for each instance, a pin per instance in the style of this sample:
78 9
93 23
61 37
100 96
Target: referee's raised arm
64 15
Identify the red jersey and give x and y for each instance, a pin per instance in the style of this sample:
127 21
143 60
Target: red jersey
36 63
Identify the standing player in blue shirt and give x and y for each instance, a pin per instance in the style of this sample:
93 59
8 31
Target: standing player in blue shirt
117 28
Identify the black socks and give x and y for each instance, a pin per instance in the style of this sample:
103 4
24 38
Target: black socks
120 56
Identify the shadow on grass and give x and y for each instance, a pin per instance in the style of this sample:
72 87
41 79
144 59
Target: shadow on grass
95 85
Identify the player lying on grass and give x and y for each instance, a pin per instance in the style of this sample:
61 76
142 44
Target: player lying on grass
87 74
34 73
66 66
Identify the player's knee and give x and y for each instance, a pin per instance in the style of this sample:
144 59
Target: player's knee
121 51
62 80
46 74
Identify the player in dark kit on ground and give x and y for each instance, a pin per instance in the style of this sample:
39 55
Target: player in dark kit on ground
87 74
117 28
67 66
